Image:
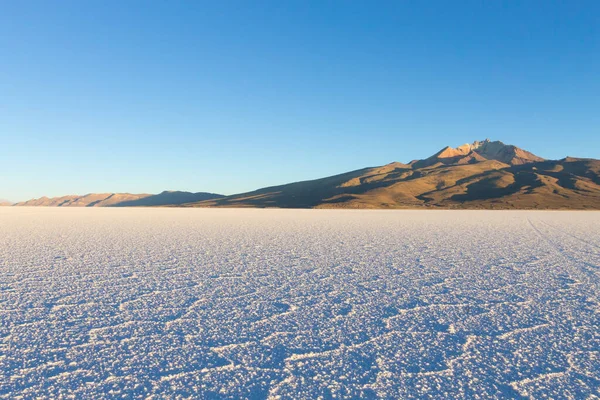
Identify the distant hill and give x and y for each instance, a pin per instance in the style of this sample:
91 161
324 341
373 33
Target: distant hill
4 203
88 200
485 174
119 199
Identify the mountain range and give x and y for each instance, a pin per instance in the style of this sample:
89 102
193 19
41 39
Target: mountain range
481 175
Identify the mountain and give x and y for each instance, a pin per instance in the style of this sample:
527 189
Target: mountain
169 198
484 174
4 203
481 175
120 199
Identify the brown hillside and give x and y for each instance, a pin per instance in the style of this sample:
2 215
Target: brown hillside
88 200
480 175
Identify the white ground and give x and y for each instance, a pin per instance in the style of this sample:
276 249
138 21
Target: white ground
299 303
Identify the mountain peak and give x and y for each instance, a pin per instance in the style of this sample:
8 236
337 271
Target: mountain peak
480 143
449 152
477 151
506 153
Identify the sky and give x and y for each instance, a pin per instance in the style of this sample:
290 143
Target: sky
230 96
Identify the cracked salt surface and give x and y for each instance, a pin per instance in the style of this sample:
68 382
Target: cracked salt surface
205 303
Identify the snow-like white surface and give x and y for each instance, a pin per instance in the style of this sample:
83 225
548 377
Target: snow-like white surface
298 303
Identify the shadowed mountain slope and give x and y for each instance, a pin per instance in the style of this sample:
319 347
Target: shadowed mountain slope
168 198
479 175
305 194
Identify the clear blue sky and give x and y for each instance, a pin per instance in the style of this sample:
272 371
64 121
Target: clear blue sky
229 96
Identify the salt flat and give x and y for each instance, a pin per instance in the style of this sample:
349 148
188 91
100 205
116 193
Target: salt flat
223 303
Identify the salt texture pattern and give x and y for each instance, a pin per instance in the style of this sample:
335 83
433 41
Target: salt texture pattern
214 303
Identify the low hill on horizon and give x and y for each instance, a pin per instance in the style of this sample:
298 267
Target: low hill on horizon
87 200
120 199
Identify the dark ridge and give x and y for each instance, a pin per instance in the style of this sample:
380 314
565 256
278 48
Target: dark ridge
167 198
